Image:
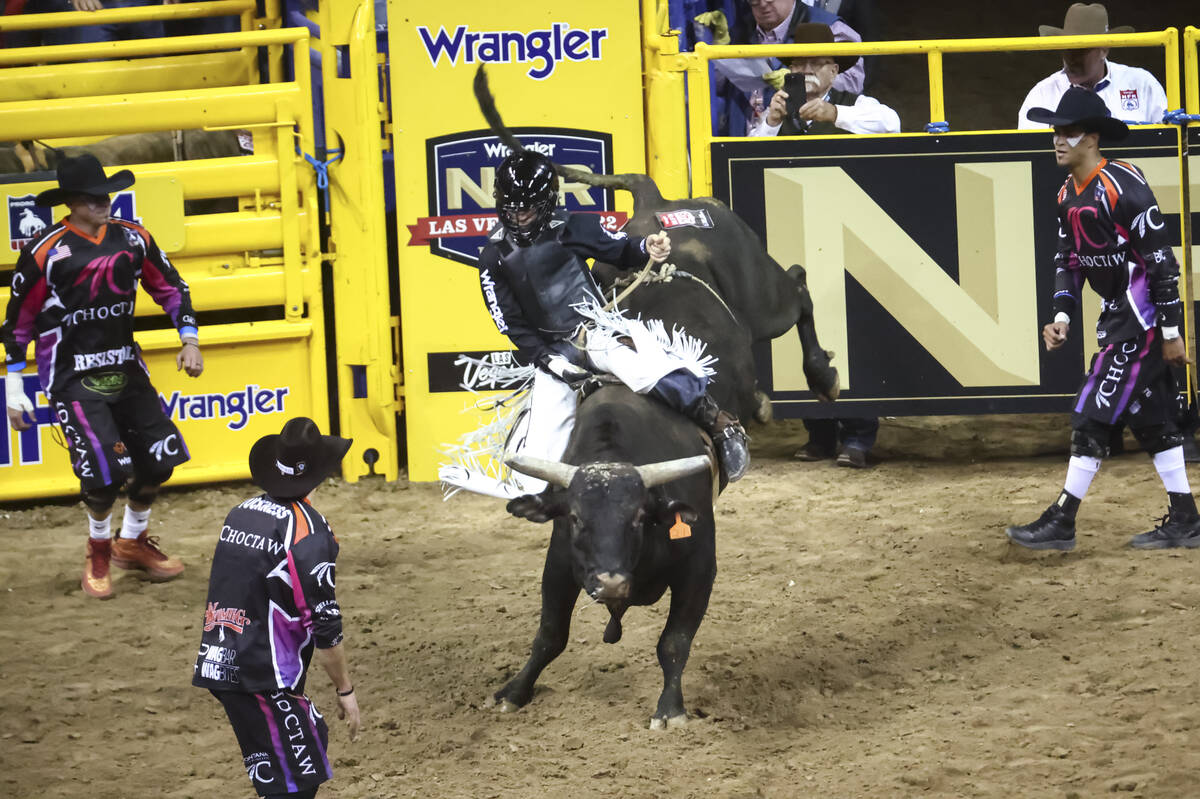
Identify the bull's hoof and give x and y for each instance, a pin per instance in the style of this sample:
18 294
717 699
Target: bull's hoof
823 378
764 412
500 705
612 631
670 723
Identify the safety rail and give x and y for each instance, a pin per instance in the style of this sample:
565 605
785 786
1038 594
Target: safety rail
696 65
114 16
1191 67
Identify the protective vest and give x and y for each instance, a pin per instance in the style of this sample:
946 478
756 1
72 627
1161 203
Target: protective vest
548 279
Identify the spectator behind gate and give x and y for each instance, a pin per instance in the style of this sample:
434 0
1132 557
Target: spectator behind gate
1131 94
771 22
827 110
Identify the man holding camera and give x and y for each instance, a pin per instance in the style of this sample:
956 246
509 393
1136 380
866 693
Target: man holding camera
809 105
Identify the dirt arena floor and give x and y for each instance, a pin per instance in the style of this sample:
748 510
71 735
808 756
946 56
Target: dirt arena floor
870 634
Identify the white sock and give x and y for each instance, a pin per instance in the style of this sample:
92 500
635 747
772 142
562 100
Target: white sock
101 530
1080 472
1172 470
136 522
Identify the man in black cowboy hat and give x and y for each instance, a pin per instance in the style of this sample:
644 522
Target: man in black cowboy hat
1131 94
1111 233
73 292
270 602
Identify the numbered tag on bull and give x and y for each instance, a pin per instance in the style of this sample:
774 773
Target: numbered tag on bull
680 529
696 217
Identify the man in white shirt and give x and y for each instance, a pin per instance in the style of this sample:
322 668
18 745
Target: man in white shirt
1131 94
769 23
826 109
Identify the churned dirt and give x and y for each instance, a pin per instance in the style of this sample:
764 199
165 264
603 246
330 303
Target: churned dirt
870 634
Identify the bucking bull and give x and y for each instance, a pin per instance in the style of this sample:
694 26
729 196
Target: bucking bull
632 498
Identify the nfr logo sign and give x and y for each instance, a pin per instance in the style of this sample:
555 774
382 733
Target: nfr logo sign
463 167
29 442
27 219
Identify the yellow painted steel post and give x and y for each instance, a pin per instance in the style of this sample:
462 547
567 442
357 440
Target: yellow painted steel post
293 304
666 131
937 98
1191 39
1172 68
699 122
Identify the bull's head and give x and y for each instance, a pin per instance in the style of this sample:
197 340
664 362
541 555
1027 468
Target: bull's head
605 507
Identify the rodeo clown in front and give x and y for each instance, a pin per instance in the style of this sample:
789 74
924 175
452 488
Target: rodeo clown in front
540 292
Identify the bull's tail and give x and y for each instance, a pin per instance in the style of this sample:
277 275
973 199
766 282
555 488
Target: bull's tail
642 187
487 104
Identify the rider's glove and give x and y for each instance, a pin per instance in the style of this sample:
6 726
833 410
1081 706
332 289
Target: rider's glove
563 369
14 390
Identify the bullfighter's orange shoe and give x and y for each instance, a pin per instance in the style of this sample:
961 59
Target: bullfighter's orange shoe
143 553
96 581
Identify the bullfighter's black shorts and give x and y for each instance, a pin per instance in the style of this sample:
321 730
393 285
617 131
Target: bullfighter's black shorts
1128 382
115 425
283 740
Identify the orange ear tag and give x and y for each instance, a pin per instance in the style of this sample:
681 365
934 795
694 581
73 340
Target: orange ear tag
680 529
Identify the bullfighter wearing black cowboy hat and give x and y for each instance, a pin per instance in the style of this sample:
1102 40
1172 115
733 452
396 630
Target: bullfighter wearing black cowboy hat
1111 233
270 602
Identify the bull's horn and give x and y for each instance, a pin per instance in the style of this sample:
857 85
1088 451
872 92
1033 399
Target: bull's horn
553 472
654 474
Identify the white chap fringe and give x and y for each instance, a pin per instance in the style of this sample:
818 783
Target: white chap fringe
657 350
481 452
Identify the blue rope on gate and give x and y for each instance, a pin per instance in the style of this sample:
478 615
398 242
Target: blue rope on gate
1178 117
322 167
937 127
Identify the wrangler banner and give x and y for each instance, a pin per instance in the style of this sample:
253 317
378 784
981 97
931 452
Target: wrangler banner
930 262
567 80
220 414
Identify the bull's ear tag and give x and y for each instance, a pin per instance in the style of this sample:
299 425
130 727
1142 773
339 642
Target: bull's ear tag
680 529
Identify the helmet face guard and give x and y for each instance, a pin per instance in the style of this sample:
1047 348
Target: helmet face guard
526 192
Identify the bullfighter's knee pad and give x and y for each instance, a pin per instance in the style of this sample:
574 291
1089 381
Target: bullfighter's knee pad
1089 441
143 488
1158 438
100 500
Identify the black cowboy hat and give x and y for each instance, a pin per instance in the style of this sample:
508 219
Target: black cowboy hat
82 174
816 33
1084 108
295 462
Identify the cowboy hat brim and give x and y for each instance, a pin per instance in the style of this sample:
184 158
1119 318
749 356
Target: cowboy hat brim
321 464
1107 127
1050 30
58 195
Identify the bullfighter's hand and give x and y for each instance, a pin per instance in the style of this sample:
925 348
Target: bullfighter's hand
348 710
658 247
777 110
20 409
1055 335
818 111
87 5
1174 352
190 360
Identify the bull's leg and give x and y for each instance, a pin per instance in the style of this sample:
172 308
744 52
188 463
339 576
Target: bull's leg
559 593
822 377
689 601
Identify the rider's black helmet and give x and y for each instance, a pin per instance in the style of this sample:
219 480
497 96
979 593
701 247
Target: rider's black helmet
525 181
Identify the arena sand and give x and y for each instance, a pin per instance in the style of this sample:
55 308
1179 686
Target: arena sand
871 634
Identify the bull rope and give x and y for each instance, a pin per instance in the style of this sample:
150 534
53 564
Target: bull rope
666 274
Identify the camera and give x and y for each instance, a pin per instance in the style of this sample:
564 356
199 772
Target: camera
797 95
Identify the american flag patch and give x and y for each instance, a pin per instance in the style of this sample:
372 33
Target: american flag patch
58 253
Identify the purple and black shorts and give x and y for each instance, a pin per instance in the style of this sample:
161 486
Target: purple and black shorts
283 740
